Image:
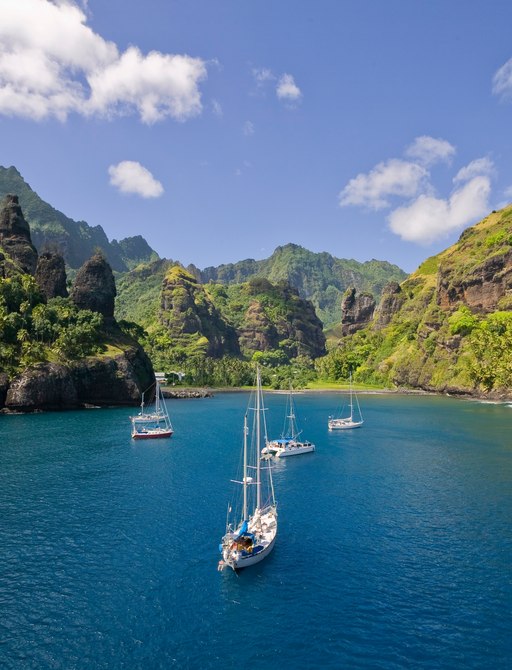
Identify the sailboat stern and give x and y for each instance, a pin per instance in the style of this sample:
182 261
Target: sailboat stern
253 541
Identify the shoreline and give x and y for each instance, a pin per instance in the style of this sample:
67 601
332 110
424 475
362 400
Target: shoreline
210 391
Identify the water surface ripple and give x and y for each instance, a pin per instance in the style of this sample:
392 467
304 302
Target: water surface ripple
394 547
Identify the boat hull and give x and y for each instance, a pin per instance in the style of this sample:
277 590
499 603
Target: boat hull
152 435
349 425
247 561
294 451
284 448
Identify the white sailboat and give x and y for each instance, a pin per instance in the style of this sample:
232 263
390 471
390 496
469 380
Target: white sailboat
155 423
351 421
251 534
289 443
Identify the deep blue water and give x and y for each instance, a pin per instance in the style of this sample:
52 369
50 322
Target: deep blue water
394 547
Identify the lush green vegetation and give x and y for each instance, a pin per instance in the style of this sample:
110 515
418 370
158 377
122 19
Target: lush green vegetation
454 348
200 329
319 277
32 331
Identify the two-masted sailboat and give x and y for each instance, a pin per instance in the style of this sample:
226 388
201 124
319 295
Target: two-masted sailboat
354 419
154 423
251 526
289 443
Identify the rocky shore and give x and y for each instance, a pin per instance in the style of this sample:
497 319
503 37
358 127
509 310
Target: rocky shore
178 393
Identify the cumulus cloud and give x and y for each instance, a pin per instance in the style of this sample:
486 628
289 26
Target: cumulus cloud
53 64
502 80
478 167
392 178
132 177
429 150
428 218
287 89
425 217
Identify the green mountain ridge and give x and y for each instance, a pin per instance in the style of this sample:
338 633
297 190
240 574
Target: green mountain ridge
76 240
319 277
450 327
193 321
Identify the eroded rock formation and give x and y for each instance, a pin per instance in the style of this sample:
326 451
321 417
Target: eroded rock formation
391 301
92 381
15 239
357 311
94 287
51 275
480 288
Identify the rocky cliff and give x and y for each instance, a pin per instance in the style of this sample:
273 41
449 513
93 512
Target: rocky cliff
116 380
318 277
448 327
50 275
239 319
97 363
189 315
357 311
76 240
268 316
15 240
391 300
94 287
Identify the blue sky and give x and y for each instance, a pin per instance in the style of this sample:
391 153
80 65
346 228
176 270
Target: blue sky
220 129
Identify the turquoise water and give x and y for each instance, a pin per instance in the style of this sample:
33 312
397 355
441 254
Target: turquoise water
394 547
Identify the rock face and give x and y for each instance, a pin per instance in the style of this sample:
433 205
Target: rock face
4 386
257 332
319 277
480 288
51 275
102 382
356 311
245 318
95 287
186 311
15 236
391 301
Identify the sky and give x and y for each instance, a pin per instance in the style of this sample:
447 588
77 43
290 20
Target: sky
221 129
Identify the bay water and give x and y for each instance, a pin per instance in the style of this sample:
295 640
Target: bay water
394 547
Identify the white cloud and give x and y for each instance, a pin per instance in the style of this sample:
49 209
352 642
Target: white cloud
132 177
53 64
287 89
428 219
508 192
157 85
478 167
429 150
392 178
502 80
262 75
248 128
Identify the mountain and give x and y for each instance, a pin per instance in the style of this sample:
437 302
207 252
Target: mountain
319 277
448 326
216 320
76 240
57 351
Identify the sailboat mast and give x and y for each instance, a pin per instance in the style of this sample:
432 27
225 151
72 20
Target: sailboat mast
245 468
258 431
157 397
351 404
